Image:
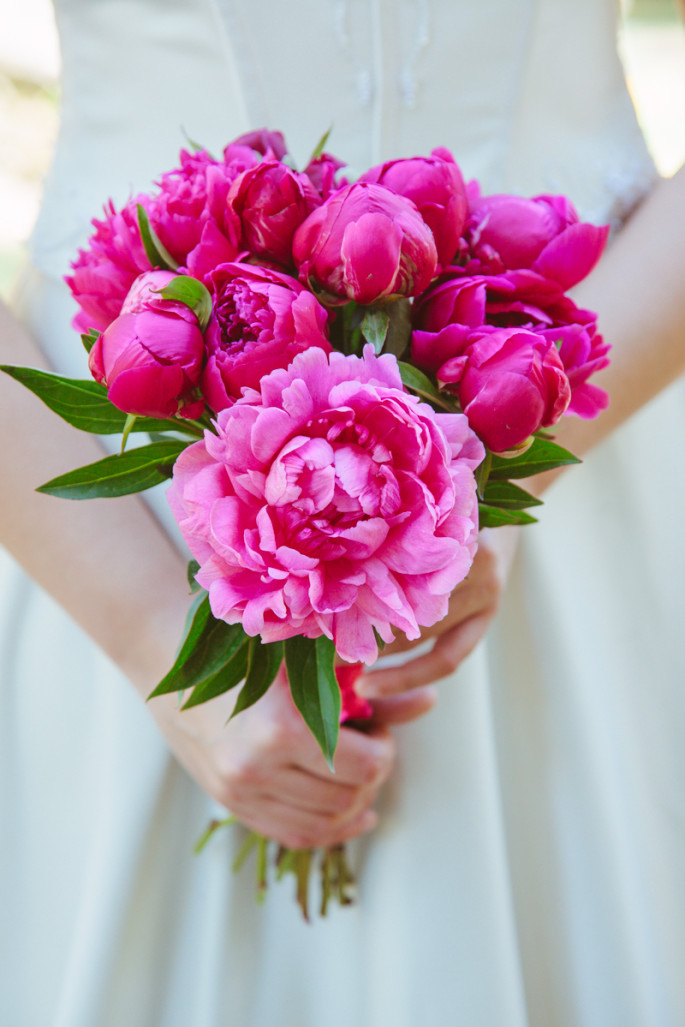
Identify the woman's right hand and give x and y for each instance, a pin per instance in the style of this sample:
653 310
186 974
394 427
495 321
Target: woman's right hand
267 769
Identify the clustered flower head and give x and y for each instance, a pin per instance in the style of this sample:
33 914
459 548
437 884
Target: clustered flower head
326 499
331 502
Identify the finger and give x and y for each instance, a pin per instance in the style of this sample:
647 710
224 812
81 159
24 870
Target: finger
362 758
310 792
443 659
301 829
400 709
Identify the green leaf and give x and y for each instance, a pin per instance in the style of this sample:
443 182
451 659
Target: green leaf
193 568
496 517
193 294
209 645
82 403
319 148
226 677
118 475
483 472
155 250
380 642
192 142
399 329
543 455
314 688
509 496
374 328
89 339
419 383
264 661
128 428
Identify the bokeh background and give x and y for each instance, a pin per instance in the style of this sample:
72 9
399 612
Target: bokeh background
652 42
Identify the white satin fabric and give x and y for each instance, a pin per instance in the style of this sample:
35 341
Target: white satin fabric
528 870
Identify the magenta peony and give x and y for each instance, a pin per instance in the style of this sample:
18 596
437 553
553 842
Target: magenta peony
269 144
460 304
353 706
510 383
322 173
271 201
435 184
261 320
365 243
106 268
544 234
150 357
331 503
190 213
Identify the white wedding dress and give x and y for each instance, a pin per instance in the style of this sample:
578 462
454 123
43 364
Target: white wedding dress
529 868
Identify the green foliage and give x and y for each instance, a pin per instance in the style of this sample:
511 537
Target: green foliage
496 517
84 403
155 250
421 384
508 496
89 339
320 146
543 455
208 647
374 328
118 475
193 294
314 688
264 660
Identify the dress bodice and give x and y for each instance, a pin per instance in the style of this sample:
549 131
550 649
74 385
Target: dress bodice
528 94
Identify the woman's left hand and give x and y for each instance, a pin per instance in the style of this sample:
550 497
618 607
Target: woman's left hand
473 604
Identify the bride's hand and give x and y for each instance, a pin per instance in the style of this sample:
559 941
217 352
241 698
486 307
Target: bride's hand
266 768
473 604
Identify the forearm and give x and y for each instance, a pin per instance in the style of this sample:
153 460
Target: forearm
107 562
637 291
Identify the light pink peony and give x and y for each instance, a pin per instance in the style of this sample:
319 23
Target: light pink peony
510 383
261 320
365 243
544 234
150 357
435 184
271 201
331 503
107 267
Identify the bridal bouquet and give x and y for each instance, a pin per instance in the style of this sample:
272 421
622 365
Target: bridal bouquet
343 381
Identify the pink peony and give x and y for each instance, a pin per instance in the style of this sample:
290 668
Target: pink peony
459 304
544 234
150 357
106 268
262 141
510 383
353 706
435 184
331 503
190 214
366 243
322 172
145 292
261 319
271 201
